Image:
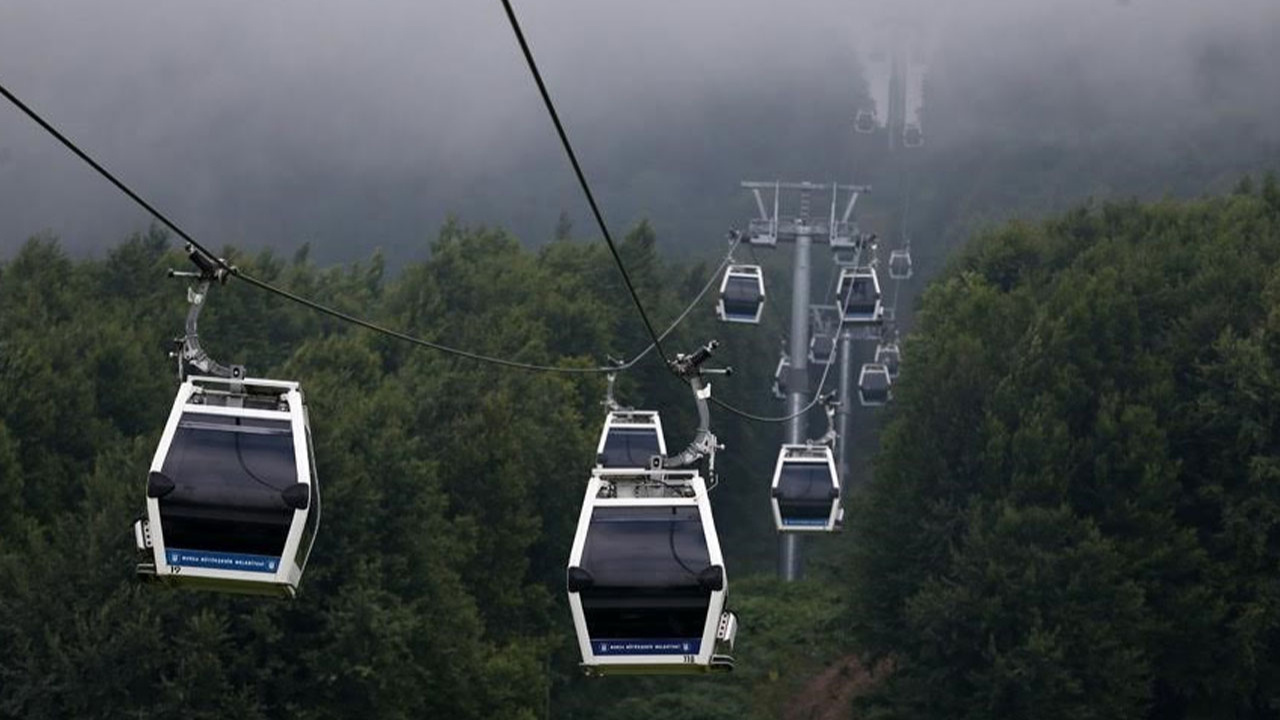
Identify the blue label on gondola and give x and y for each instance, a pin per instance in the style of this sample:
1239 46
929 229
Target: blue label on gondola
662 646
222 560
805 521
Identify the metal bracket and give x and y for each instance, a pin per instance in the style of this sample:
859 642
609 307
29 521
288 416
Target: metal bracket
610 403
734 238
704 443
834 228
830 404
188 351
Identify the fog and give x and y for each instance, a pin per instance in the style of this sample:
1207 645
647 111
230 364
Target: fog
355 126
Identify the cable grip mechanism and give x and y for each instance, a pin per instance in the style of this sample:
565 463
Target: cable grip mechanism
830 404
704 445
187 349
610 402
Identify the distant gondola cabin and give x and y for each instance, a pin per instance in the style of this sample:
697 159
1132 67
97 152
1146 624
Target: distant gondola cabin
741 294
858 294
805 494
630 439
900 264
874 385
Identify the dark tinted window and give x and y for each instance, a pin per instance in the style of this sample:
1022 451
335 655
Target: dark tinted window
745 289
645 547
823 346
629 448
742 297
875 382
644 563
891 361
874 387
804 491
862 298
741 310
228 473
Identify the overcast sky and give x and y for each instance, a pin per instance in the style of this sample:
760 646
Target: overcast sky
358 125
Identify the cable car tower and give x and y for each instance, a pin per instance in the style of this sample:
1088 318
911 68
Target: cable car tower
802 229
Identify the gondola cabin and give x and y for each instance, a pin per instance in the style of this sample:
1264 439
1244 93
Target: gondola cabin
821 347
780 375
806 490
864 122
762 232
874 385
858 293
233 503
646 579
900 264
629 439
889 355
844 257
741 294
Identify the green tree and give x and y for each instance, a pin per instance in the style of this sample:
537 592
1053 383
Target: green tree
1068 512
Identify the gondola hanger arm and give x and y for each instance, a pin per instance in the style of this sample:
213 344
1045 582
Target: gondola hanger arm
189 353
704 443
610 401
829 406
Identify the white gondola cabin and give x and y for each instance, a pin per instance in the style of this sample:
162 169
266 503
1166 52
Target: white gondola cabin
762 232
233 502
822 346
780 375
858 294
741 294
900 264
630 438
888 355
806 490
864 122
874 385
646 578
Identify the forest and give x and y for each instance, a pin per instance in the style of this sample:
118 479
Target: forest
1071 512
450 488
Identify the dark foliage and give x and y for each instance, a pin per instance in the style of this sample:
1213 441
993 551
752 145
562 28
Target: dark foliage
1074 513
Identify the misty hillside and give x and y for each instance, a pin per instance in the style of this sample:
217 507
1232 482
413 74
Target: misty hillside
355 131
1064 507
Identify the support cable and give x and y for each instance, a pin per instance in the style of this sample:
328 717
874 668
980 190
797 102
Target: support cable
711 281
817 395
234 271
582 179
